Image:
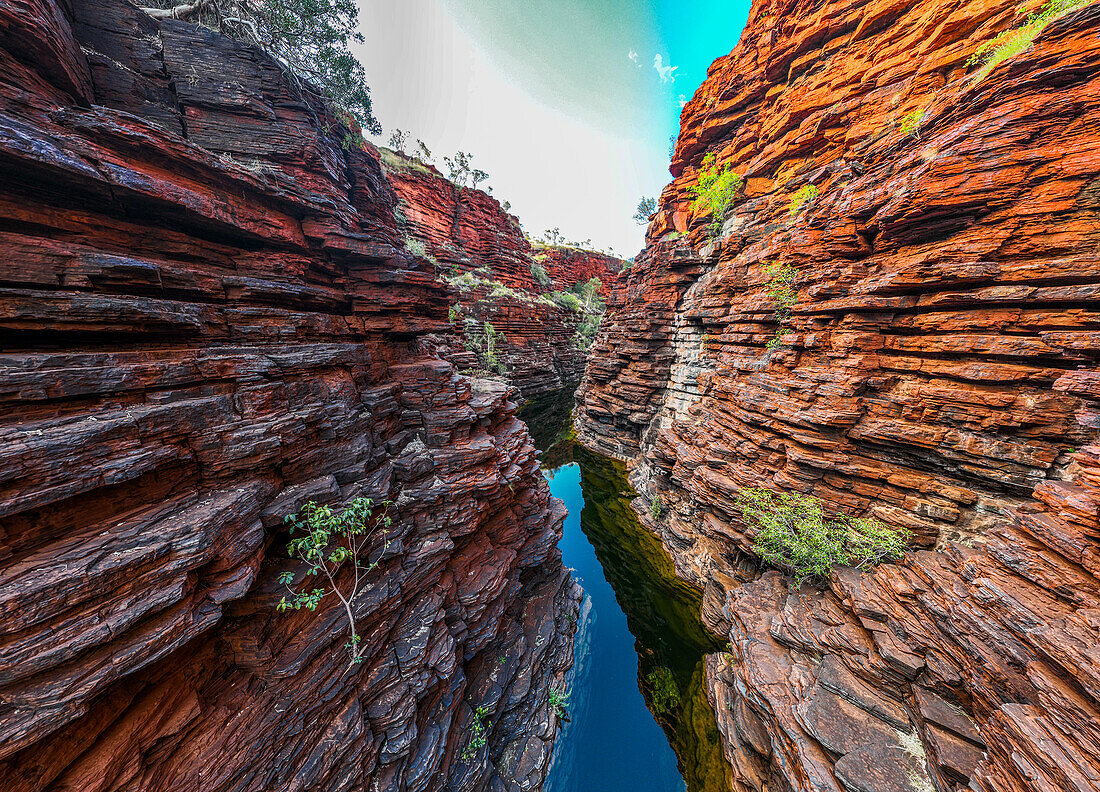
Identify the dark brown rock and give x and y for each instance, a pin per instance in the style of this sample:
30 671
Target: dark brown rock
207 318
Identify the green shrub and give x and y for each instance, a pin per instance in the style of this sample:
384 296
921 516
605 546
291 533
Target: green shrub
538 272
780 288
586 331
558 699
329 538
794 535
567 300
479 729
715 191
806 193
911 122
656 507
416 247
1014 41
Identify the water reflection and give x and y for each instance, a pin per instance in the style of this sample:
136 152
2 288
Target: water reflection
638 686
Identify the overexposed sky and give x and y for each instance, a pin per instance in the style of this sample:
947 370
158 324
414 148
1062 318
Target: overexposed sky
566 104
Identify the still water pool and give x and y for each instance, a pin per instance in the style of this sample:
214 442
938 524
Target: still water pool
638 716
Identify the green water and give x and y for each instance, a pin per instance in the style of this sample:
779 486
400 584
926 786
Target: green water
640 721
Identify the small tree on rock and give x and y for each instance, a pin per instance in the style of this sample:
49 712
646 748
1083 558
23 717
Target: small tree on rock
645 210
325 540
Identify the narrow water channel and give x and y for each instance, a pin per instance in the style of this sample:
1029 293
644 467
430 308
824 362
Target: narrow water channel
639 720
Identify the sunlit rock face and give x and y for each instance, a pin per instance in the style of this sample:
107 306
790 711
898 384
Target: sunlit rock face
495 277
938 371
208 318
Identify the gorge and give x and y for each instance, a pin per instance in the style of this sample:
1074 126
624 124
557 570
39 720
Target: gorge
215 308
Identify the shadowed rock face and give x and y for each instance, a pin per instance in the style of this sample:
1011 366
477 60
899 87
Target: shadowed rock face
938 371
207 318
466 232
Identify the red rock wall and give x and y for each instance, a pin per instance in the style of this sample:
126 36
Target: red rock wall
939 371
567 266
467 231
207 318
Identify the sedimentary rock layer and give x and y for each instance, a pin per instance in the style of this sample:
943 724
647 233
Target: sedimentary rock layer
939 370
207 318
496 277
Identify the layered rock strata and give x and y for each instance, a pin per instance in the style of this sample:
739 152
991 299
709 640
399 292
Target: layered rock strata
496 278
208 318
939 370
567 266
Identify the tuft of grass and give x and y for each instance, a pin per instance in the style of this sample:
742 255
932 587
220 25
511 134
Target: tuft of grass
806 194
1011 43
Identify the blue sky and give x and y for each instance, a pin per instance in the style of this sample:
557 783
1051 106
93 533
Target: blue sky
567 104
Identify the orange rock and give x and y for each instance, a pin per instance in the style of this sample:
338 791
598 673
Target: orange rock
937 371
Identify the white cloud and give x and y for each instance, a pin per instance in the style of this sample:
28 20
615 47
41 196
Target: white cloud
427 76
681 100
633 55
664 72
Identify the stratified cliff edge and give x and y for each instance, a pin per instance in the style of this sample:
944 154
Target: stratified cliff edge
496 279
207 318
939 370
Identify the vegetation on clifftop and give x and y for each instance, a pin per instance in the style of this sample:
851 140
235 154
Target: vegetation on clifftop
312 39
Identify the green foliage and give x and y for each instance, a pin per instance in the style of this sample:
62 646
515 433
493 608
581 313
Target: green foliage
558 700
666 693
715 191
645 210
326 540
794 534
1015 40
656 507
780 289
479 730
312 39
423 153
453 313
416 247
567 300
911 122
552 237
806 193
586 331
483 340
538 272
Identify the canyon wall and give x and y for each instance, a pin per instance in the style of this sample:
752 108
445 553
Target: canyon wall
208 318
939 371
496 279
